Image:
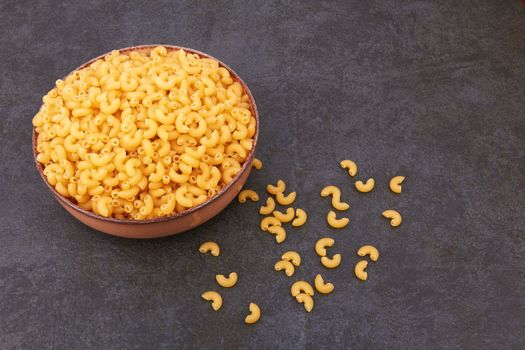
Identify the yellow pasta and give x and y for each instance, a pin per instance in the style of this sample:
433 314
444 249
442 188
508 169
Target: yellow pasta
163 131
252 195
335 222
268 208
336 197
300 218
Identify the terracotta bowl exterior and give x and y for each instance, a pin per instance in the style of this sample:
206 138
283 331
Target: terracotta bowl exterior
166 225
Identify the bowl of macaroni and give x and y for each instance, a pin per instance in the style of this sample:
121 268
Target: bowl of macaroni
146 141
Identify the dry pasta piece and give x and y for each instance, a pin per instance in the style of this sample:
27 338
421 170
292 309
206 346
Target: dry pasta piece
395 184
254 315
252 195
285 200
289 216
279 188
268 208
300 218
257 164
350 165
334 222
211 247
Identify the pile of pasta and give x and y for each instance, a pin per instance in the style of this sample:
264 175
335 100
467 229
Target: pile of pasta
141 135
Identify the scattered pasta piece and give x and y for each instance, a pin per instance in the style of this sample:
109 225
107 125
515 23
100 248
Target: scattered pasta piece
332 263
254 315
300 218
321 286
322 244
395 184
227 282
279 232
365 187
292 257
252 195
257 164
289 216
350 165
214 297
285 200
394 216
280 187
268 208
334 222
287 266
307 301
336 197
359 270
301 287
268 221
369 250
211 247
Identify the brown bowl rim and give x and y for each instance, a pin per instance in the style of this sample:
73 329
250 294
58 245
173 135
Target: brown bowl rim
245 166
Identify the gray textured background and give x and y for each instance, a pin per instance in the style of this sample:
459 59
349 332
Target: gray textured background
433 90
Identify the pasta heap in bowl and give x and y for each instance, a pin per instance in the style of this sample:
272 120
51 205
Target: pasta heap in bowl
144 134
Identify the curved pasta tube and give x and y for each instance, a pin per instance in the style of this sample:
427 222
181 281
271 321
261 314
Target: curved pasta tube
394 216
331 263
268 208
285 200
301 287
104 206
321 286
211 247
280 187
214 297
359 270
292 257
287 266
322 244
336 197
252 195
306 300
334 222
369 250
289 216
180 196
227 282
365 187
350 165
279 232
300 218
269 221
257 164
395 184
254 315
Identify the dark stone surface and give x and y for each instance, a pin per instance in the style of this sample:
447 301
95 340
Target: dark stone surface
433 90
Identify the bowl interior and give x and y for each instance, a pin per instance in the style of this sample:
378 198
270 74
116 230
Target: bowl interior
245 167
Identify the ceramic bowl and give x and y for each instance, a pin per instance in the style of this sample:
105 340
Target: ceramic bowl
166 225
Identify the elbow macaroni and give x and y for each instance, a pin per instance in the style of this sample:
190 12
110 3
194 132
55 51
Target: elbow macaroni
251 194
394 216
365 187
211 247
335 222
255 314
336 197
227 282
165 129
300 218
321 286
395 184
